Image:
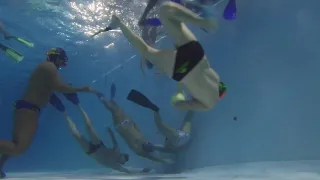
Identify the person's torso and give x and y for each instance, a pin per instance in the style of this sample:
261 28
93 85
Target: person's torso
177 141
130 134
105 156
39 86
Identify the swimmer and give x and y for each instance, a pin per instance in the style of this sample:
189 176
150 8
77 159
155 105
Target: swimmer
43 80
187 64
94 147
129 130
176 139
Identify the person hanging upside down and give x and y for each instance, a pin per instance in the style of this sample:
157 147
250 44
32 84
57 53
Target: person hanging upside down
43 80
129 130
94 147
187 64
176 139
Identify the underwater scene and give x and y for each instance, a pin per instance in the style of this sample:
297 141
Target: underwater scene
159 89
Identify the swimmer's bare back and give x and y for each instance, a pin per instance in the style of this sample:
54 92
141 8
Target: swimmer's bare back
130 133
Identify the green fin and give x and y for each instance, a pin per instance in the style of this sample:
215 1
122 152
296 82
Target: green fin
26 42
13 54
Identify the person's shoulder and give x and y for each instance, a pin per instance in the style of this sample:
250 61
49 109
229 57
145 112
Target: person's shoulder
47 66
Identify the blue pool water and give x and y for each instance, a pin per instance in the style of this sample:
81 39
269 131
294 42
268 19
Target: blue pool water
268 57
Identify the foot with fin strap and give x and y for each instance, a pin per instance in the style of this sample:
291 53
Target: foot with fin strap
2 175
11 53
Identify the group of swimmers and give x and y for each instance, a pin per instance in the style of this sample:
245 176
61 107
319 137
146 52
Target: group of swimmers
187 64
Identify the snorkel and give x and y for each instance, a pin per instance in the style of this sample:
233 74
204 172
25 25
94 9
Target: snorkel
222 90
56 55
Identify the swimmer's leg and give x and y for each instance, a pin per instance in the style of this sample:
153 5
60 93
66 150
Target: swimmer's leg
173 16
163 128
24 129
3 160
186 124
84 143
150 6
93 136
157 57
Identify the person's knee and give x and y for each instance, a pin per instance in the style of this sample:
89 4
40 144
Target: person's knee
18 150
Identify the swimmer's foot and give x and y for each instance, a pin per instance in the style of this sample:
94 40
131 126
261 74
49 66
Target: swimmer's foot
2 175
115 22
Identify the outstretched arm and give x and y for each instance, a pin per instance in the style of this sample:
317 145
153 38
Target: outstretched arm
58 85
113 138
186 124
163 128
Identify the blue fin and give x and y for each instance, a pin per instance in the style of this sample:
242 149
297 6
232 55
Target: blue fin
230 11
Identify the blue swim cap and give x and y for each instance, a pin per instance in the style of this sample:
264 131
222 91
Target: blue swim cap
57 53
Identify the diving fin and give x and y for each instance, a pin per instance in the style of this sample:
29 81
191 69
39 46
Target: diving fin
11 53
102 30
25 42
230 10
140 99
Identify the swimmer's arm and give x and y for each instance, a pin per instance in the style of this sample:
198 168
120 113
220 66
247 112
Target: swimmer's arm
58 85
187 122
106 103
159 147
113 138
135 125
